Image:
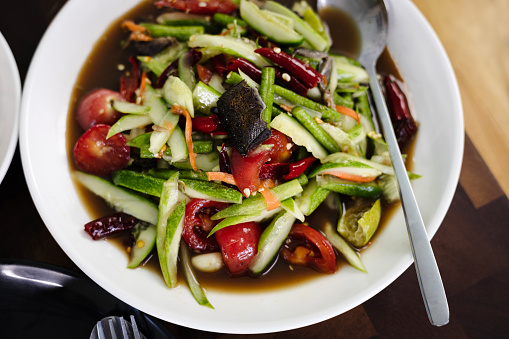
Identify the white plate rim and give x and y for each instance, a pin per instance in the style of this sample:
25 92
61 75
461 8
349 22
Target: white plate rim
10 101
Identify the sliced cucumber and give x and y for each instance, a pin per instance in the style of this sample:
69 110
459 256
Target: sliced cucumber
340 157
343 247
167 205
349 70
256 204
311 197
302 27
347 167
229 45
119 198
129 107
292 207
204 98
159 62
206 162
239 219
174 229
365 190
210 191
271 240
128 122
144 241
341 138
291 127
178 145
139 182
175 91
164 173
269 24
195 287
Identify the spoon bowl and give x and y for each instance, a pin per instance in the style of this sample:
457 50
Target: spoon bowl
372 20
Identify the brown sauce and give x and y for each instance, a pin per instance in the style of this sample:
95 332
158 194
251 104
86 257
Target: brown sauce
102 70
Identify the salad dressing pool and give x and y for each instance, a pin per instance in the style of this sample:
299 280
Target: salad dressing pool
103 68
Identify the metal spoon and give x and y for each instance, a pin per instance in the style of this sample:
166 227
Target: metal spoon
371 18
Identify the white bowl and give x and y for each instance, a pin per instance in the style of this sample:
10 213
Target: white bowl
10 97
438 154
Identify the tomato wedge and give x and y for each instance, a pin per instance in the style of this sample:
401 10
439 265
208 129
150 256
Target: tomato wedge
205 7
246 170
239 245
94 154
305 246
197 224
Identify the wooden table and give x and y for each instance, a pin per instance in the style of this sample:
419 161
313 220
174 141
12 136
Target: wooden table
471 246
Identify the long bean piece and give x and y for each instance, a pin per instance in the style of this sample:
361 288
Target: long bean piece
267 92
310 124
327 113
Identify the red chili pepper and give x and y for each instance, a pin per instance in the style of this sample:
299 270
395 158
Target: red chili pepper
208 124
306 74
245 66
172 69
256 74
111 224
219 62
285 170
204 73
298 167
208 7
402 120
291 82
129 84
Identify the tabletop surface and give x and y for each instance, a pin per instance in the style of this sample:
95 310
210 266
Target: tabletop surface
471 245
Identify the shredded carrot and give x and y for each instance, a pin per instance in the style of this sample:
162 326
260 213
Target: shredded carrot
271 199
177 109
138 33
221 176
348 111
130 25
143 82
351 177
227 31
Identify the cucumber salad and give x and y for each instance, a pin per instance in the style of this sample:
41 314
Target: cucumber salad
232 125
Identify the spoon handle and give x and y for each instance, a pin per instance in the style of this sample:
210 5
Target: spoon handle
428 275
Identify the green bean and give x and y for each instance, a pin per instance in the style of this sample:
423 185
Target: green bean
276 111
181 33
310 124
362 105
225 20
202 146
267 92
327 113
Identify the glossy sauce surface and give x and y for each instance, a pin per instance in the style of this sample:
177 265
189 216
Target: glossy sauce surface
103 68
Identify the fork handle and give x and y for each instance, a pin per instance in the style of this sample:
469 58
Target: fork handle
428 275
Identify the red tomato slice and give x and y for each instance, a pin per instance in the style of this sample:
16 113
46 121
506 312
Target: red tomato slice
95 108
197 224
306 246
246 170
205 7
94 154
239 245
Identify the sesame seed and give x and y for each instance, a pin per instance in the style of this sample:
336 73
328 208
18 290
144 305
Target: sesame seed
288 146
202 4
318 120
286 77
120 67
277 49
